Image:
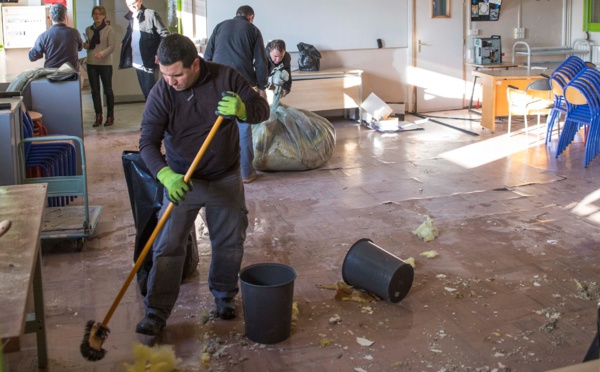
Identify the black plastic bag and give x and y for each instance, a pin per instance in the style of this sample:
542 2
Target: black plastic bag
594 351
146 195
309 58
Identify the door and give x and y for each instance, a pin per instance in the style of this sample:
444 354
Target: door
438 77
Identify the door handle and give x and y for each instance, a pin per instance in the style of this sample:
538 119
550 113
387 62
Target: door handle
420 43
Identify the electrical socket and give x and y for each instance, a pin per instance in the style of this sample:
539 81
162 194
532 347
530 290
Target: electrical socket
519 33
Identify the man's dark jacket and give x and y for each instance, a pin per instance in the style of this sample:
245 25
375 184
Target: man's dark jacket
182 120
239 44
152 30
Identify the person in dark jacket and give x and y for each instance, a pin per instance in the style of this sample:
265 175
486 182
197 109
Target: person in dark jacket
279 60
239 44
179 115
60 43
138 48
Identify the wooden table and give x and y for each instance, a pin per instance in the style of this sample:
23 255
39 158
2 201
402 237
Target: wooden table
479 67
21 267
326 90
495 83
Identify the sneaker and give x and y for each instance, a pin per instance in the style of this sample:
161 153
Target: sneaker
151 325
251 177
226 308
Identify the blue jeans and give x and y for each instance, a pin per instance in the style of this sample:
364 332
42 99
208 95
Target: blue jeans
246 149
147 80
104 73
227 221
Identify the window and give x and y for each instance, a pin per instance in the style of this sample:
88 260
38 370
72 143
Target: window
591 15
441 8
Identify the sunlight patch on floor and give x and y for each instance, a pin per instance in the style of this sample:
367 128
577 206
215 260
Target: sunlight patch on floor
588 207
490 150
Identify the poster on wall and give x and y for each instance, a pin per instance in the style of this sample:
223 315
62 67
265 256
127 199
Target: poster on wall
485 10
21 25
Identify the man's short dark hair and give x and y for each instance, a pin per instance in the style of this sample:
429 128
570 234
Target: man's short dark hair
245 10
175 48
58 12
276 44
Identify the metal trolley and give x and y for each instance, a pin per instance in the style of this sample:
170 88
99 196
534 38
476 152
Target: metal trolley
63 221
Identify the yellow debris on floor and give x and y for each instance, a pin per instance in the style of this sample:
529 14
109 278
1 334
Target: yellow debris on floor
159 358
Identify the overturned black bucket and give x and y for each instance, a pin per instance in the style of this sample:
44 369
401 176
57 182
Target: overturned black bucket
267 296
376 270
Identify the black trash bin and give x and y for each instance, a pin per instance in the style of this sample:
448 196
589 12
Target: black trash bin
371 267
146 195
267 296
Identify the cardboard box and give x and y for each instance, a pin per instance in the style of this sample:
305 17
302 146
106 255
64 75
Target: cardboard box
387 125
376 108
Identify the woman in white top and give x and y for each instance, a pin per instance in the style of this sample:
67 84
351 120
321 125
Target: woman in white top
100 43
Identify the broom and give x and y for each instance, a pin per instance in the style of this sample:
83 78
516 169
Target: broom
96 333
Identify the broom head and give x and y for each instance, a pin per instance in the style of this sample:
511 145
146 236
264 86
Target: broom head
93 338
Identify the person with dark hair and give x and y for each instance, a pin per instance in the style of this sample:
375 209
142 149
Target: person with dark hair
59 44
100 44
279 60
138 48
239 44
179 115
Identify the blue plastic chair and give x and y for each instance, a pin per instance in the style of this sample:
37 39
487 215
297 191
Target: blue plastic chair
582 96
588 84
559 78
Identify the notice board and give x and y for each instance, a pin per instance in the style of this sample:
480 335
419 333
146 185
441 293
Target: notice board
21 25
326 24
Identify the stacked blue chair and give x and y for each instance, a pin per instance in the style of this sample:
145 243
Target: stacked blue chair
587 85
560 77
49 159
578 115
582 95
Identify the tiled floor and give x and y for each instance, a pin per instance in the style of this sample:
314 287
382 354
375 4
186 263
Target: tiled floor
513 288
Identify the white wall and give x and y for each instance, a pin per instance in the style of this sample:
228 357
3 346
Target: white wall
577 23
541 19
384 69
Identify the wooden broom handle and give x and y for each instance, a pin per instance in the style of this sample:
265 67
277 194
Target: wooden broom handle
160 223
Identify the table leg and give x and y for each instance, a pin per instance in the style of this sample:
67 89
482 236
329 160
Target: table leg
472 94
36 322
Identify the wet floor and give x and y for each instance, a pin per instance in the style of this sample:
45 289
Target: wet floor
513 287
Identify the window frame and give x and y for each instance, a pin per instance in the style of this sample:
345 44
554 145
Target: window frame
588 25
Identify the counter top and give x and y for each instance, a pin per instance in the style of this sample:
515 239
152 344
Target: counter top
504 65
24 206
323 74
512 73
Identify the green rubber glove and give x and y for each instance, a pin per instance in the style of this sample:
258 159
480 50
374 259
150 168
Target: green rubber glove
174 183
232 105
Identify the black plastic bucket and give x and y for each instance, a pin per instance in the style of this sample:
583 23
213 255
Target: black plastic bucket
376 270
267 295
